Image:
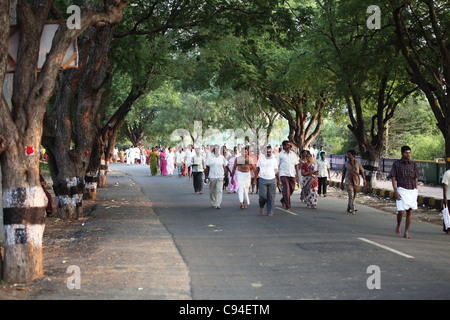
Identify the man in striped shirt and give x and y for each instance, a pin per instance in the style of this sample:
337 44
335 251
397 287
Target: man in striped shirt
405 178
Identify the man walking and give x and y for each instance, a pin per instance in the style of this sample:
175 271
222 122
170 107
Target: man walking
288 170
198 166
351 172
215 166
324 172
242 167
269 179
405 178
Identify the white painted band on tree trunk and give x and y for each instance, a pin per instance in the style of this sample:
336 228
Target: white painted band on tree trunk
62 200
73 182
77 198
31 233
24 197
90 185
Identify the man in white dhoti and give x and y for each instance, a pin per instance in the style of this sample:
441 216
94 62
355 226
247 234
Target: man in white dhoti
170 160
405 178
129 153
244 164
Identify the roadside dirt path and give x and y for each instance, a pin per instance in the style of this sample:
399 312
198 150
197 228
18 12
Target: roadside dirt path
120 246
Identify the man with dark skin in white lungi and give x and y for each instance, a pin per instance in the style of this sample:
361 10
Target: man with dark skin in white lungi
405 178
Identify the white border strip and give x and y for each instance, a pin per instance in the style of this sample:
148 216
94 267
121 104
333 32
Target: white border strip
293 213
387 248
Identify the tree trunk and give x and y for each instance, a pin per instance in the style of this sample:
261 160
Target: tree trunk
90 188
431 75
86 82
104 141
301 121
24 204
24 200
102 172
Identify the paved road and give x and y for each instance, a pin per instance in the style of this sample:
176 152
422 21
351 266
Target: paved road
305 254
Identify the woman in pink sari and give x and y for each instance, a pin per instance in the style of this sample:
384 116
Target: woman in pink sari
162 162
310 181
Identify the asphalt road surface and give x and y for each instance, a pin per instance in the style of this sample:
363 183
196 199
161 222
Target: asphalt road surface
304 254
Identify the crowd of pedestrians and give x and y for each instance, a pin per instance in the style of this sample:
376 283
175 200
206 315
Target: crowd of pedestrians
242 170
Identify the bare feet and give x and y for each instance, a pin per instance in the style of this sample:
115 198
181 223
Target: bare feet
261 210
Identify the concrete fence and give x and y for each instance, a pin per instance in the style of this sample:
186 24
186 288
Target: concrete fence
431 172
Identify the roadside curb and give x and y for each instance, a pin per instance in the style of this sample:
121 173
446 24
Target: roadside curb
389 194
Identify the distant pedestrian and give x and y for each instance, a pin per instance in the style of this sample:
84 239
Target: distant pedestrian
446 193
309 172
215 170
115 154
188 155
180 161
122 155
405 178
242 167
301 181
288 170
232 187
154 161
198 165
269 179
324 172
351 171
170 160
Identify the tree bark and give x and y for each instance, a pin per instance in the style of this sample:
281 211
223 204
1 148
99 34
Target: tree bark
301 121
104 141
84 85
24 200
430 75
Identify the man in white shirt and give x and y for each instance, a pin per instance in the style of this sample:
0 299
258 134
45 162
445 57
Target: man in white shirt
180 160
269 179
129 153
288 170
198 166
215 171
324 172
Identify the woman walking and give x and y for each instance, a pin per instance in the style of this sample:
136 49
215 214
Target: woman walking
301 162
153 161
309 174
162 162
